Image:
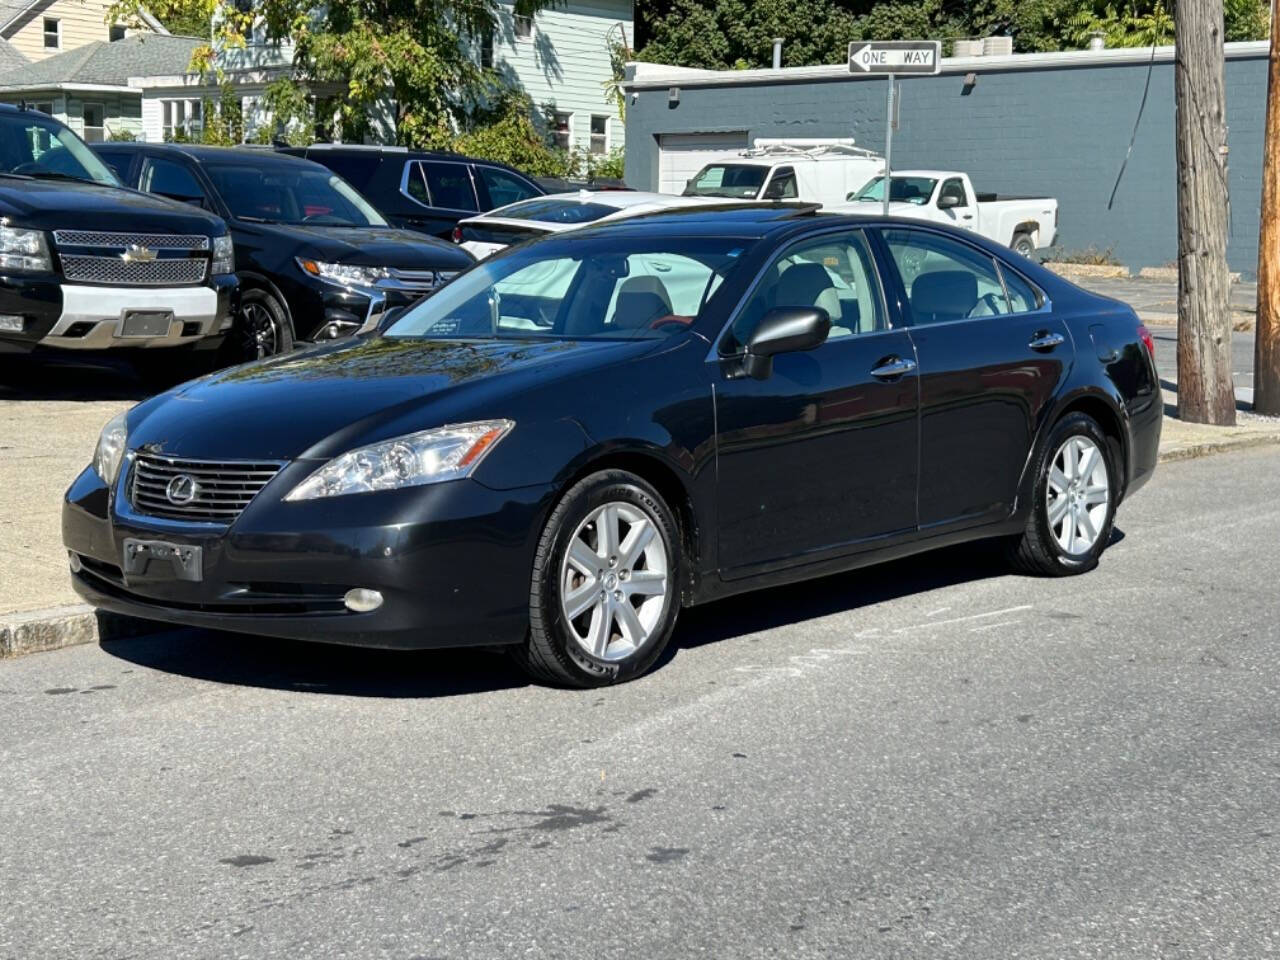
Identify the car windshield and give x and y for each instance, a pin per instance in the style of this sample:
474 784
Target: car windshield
33 145
740 181
915 190
278 194
554 210
595 288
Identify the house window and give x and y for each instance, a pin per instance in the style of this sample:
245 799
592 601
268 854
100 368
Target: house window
562 133
486 50
524 27
599 133
45 108
93 122
180 118
117 32
52 33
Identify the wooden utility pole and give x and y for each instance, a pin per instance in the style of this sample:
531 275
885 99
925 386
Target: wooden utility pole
1205 390
1266 350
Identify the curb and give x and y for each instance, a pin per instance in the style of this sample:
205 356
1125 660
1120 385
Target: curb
34 631
38 630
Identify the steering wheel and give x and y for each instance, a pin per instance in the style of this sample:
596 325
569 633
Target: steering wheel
669 319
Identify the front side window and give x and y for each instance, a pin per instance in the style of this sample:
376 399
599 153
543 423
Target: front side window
266 194
504 187
597 288
782 186
835 273
945 279
169 179
52 33
740 181
953 190
33 145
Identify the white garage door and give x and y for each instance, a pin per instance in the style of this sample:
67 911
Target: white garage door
681 155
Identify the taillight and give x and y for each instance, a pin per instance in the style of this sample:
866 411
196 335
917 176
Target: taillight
1148 342
457 234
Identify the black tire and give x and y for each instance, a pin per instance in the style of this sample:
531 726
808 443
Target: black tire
1023 245
1038 551
261 329
551 654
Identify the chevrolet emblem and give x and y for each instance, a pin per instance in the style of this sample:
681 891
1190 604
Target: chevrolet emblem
136 253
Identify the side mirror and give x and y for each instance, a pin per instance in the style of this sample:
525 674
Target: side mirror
948 201
784 330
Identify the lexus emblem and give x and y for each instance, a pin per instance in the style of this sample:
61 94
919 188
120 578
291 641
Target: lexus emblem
137 253
182 489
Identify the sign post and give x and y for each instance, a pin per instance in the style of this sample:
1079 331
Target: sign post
891 58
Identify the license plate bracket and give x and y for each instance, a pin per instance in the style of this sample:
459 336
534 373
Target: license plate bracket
163 559
146 323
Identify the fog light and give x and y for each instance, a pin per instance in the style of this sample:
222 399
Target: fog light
74 560
361 600
11 323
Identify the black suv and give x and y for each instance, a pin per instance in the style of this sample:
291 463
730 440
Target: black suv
88 265
315 260
423 191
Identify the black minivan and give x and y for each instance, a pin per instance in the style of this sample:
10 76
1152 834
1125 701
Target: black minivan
420 190
315 260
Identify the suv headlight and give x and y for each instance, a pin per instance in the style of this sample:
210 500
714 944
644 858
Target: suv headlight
343 274
224 255
24 250
110 450
416 459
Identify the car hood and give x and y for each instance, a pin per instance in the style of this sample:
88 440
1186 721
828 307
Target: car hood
368 246
325 400
62 204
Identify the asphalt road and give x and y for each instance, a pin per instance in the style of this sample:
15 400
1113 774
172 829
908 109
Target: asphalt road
932 759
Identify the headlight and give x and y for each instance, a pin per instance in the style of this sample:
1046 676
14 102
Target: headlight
431 456
224 255
343 274
110 451
24 250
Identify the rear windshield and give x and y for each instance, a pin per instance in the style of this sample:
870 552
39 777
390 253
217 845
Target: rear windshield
37 146
548 210
740 181
579 288
307 195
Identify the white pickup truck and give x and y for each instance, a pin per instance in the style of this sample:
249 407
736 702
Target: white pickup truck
1026 224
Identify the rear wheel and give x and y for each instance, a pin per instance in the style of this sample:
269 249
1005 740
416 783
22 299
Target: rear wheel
1023 244
606 581
1073 506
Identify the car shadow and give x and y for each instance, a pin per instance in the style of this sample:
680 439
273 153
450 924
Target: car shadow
253 661
84 378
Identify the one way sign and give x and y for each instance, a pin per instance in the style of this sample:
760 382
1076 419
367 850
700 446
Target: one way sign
895 56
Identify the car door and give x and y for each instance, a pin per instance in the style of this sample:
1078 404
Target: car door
440 193
992 356
820 458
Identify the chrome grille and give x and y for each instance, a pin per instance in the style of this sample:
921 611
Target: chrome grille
156 273
132 259
425 280
223 488
156 241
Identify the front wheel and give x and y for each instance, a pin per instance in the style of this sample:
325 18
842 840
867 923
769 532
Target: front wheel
1074 502
261 329
606 582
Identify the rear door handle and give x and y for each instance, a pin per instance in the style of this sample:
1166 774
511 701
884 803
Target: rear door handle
1044 340
890 368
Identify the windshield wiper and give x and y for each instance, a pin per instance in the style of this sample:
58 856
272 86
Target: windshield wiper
54 175
257 220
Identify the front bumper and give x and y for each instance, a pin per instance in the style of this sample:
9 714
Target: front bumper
452 562
72 316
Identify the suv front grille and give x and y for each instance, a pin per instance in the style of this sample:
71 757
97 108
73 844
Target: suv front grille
424 280
220 489
132 259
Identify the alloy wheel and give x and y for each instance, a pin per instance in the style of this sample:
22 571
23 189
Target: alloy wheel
614 581
1078 495
258 331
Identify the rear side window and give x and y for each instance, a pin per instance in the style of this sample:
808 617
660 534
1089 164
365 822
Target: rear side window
1023 297
945 279
170 179
357 169
448 185
504 187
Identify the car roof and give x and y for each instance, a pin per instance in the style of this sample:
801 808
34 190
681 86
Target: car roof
357 149
202 153
747 221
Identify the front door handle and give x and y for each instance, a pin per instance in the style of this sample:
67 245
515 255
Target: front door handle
1044 340
890 368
